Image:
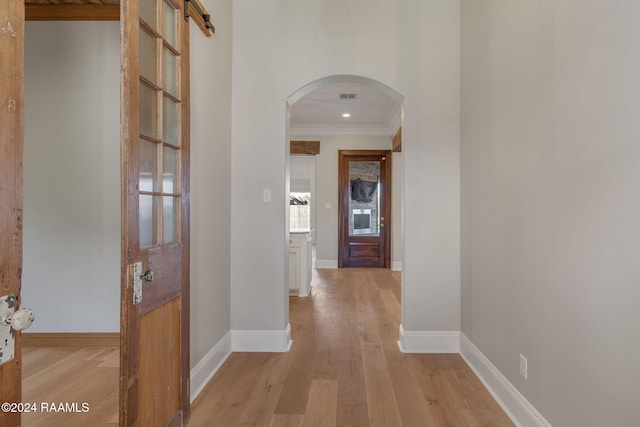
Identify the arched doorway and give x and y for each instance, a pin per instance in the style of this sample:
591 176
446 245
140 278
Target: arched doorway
315 114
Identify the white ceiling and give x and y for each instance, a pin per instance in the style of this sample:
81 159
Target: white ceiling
320 112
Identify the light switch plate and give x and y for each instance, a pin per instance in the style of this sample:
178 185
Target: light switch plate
523 367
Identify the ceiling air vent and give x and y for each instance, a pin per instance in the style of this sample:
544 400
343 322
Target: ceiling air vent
347 96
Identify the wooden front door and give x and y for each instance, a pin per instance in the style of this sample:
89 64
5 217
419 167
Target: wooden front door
364 193
154 383
11 146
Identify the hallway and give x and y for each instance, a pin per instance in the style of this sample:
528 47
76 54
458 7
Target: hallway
345 369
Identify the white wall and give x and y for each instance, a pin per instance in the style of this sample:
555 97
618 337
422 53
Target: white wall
397 192
551 142
327 188
413 47
210 181
428 58
71 276
72 148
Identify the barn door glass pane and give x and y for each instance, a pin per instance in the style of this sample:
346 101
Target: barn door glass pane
170 163
148 56
148 12
170 121
169 32
364 198
148 111
170 219
148 166
148 220
169 71
160 104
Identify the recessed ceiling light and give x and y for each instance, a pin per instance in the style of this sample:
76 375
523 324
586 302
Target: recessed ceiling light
346 115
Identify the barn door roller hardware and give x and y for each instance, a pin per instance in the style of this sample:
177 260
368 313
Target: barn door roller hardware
195 9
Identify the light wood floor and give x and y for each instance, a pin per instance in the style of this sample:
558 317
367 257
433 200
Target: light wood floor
345 369
71 374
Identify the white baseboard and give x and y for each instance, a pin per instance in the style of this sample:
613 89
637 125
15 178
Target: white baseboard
396 265
304 292
517 407
429 341
326 263
278 341
206 368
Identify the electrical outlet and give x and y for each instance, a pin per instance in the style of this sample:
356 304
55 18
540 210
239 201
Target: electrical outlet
523 367
266 196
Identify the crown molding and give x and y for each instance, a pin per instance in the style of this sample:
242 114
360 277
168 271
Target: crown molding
376 130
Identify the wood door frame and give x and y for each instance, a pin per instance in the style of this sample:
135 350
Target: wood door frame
343 201
11 182
185 180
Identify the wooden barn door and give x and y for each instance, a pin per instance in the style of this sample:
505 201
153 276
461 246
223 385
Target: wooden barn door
155 223
11 146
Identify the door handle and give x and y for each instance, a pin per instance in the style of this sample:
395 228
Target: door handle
10 318
147 276
20 320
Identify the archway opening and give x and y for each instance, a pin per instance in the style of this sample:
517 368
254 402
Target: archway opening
338 112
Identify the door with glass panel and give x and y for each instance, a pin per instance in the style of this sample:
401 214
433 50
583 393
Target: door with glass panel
364 193
155 178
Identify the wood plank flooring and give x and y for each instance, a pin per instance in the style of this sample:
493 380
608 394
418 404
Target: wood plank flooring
344 369
71 374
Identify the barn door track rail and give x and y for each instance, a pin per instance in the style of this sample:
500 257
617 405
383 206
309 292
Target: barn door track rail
202 18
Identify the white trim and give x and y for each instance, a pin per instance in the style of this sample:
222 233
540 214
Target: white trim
304 292
331 130
326 263
396 265
396 120
206 368
343 78
429 341
517 407
267 341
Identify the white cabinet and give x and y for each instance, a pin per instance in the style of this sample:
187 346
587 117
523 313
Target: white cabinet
294 254
299 263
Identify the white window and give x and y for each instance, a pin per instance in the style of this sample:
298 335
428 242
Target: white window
299 210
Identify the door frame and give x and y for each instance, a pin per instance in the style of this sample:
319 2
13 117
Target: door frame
11 181
343 201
